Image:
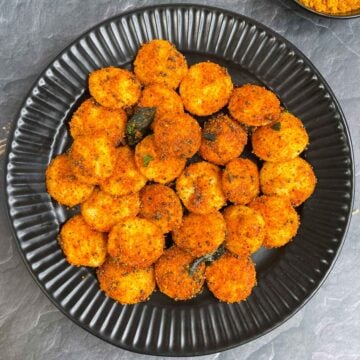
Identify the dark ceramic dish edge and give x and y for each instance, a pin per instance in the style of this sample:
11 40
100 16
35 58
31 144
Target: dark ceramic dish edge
290 45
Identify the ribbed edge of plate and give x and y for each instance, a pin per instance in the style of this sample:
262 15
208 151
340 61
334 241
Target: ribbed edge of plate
160 326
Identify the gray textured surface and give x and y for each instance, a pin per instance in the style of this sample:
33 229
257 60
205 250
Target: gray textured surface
31 34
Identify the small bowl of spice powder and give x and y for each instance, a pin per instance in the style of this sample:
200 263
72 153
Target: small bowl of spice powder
340 9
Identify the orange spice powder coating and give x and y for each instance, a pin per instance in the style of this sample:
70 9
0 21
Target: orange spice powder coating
332 6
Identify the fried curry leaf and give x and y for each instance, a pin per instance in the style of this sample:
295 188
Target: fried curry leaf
209 136
276 126
147 159
139 124
208 258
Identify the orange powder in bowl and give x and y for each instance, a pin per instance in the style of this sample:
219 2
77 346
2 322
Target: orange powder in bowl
332 6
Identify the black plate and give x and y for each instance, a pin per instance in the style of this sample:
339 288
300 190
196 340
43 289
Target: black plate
286 277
